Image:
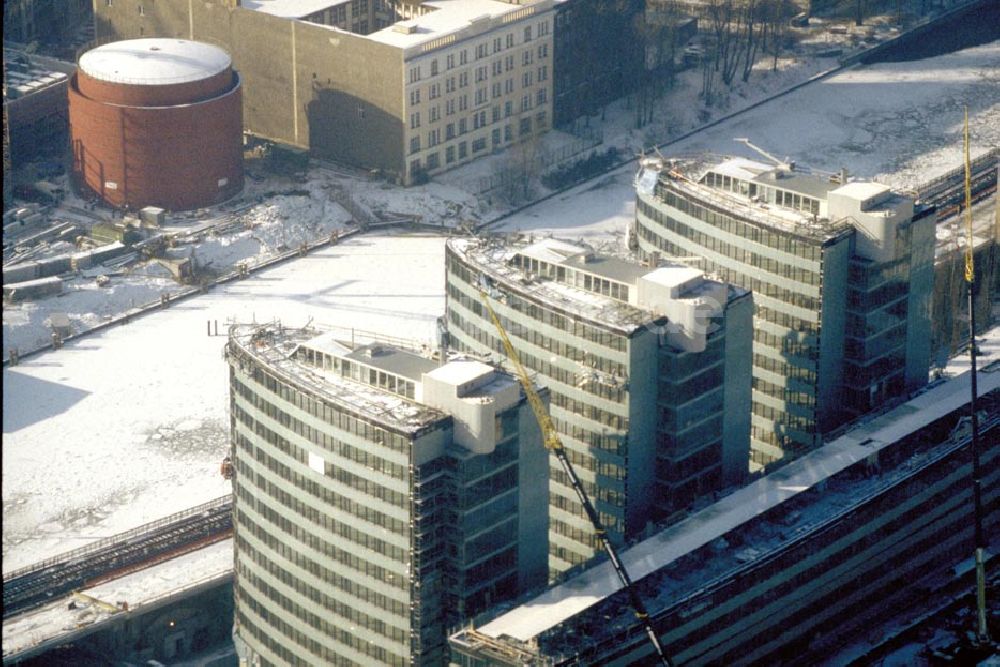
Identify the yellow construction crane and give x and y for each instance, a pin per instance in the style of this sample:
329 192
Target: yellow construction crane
550 437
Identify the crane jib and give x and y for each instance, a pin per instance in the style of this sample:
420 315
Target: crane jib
552 441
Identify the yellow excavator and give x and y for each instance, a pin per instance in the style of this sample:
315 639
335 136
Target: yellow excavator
550 437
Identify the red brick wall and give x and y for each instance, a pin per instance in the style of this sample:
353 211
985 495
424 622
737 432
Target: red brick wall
167 156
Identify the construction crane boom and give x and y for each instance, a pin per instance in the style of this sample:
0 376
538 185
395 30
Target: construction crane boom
550 437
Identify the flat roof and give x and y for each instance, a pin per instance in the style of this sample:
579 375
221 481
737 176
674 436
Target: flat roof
810 185
154 61
393 360
861 190
291 9
560 603
275 347
448 17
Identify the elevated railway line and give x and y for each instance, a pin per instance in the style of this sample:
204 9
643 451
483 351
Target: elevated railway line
146 545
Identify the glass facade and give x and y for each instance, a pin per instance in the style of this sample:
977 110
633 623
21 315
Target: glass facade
810 291
591 370
349 551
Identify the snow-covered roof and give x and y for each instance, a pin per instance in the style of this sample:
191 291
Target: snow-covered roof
741 168
560 603
459 372
291 9
276 348
862 191
154 61
448 17
673 276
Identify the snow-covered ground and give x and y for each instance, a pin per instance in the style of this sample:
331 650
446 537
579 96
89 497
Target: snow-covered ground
128 425
138 589
900 123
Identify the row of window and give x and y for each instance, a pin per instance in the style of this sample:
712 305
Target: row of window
281 546
322 492
305 400
786 344
346 586
279 643
769 237
558 347
255 586
353 481
737 250
482 50
782 418
786 369
536 311
275 495
803 399
364 456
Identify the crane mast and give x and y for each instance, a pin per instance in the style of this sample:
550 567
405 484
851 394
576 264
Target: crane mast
550 437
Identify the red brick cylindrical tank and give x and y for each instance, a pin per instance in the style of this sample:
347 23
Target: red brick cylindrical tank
157 122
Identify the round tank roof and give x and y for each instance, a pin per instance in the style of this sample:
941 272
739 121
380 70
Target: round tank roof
154 61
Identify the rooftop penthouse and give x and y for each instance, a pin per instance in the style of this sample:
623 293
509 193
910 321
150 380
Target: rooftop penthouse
397 384
787 198
621 294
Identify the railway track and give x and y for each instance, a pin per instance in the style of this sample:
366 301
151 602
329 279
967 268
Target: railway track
115 556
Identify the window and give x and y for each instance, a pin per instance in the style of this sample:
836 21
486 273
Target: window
461 150
527 79
481 73
543 50
540 96
463 102
509 63
481 51
508 86
450 61
525 126
415 166
497 90
463 57
496 113
414 145
415 96
508 133
463 79
415 74
510 39
449 85
543 73
433 161
462 128
526 103
435 113
414 120
527 57
434 137
497 67
478 145
480 96
435 91
508 108
543 28
449 154
449 107
142 12
540 122
497 44
527 33
496 137
434 67
449 131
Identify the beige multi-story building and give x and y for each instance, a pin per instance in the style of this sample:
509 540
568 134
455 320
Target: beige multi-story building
407 88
